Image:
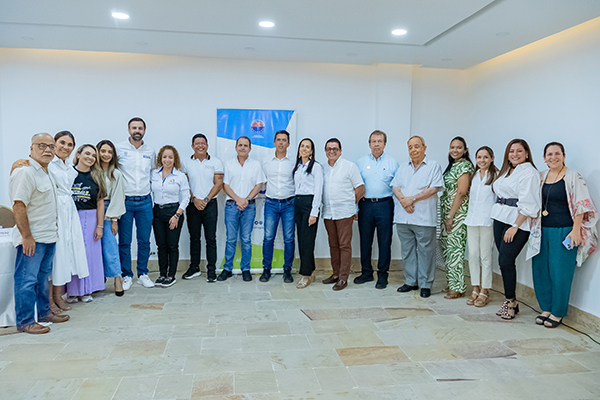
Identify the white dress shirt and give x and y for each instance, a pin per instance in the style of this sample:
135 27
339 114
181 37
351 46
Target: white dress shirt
339 201
202 174
242 179
412 182
523 184
174 188
481 200
280 182
135 165
377 175
307 184
35 188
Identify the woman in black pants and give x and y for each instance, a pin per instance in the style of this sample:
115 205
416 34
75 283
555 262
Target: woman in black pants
308 179
518 191
171 195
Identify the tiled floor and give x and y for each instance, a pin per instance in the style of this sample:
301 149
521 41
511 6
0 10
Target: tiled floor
238 340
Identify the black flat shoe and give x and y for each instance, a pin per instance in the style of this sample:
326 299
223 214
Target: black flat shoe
551 324
540 319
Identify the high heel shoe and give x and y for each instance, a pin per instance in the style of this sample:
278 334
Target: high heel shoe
313 276
119 285
303 282
510 311
502 309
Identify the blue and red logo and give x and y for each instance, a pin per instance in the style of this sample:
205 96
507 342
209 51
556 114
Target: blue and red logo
258 126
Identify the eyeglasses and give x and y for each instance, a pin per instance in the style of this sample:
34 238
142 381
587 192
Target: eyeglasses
44 146
332 149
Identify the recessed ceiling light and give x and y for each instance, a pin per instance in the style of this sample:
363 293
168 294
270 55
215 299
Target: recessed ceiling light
399 32
351 54
502 34
249 48
120 15
142 43
28 38
266 24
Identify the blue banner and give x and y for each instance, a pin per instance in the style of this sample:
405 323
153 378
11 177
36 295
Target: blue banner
259 125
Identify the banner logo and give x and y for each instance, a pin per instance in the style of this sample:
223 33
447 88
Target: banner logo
258 126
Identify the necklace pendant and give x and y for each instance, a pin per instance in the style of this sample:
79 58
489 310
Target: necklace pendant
545 213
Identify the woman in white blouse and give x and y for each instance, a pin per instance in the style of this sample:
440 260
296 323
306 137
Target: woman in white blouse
308 179
114 207
518 202
480 235
171 195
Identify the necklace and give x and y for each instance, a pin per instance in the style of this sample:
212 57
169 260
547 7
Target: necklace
545 209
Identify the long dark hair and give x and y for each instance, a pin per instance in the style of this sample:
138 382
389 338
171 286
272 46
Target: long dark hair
113 163
64 133
507 167
492 169
311 161
464 157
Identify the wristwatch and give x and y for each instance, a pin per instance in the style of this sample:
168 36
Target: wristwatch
206 199
177 215
515 225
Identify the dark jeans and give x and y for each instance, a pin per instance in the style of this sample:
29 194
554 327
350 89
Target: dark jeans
167 239
507 255
378 215
306 234
197 219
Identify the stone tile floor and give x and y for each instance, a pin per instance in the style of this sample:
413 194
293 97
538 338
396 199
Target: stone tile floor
238 340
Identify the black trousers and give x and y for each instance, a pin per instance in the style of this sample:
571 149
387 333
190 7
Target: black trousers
306 234
167 239
197 219
507 255
378 215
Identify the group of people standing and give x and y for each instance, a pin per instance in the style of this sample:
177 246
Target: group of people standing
75 222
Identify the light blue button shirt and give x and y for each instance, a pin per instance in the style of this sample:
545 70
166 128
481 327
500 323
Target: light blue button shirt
377 175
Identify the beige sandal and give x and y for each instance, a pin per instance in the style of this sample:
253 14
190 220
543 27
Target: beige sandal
482 302
303 282
471 300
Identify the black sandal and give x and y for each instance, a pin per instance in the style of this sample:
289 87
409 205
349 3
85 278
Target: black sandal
540 319
553 323
510 312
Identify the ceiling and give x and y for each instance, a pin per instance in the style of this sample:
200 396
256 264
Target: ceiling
441 33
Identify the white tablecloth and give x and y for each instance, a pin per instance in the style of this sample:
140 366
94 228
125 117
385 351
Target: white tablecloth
7 286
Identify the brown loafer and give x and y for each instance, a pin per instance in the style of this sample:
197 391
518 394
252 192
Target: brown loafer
453 295
35 329
339 285
331 279
55 318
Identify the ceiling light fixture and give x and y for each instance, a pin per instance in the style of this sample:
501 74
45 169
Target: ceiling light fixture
120 15
399 32
266 24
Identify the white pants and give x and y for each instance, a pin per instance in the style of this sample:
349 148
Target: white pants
480 240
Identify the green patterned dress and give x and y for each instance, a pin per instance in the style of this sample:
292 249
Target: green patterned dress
454 243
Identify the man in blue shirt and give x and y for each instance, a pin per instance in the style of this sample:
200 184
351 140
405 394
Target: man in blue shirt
376 209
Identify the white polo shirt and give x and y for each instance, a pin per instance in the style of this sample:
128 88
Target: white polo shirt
339 201
202 174
35 188
136 165
279 175
412 182
242 179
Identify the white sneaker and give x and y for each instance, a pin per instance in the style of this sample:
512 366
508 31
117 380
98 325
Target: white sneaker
72 299
87 298
127 281
145 281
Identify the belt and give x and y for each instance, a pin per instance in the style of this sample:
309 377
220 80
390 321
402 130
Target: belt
168 205
281 200
507 202
249 201
376 200
137 198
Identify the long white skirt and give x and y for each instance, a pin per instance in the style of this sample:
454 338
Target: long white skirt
70 258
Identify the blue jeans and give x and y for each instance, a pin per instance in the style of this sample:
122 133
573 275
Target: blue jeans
31 283
139 208
274 211
110 250
242 222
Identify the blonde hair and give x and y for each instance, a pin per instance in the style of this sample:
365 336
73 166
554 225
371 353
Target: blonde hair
95 170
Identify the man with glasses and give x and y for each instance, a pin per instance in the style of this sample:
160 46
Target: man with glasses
32 193
342 188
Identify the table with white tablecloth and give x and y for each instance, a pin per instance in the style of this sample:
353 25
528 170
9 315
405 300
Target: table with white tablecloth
7 272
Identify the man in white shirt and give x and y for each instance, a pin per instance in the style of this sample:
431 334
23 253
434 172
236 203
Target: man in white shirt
136 161
376 209
415 186
342 188
279 206
205 173
242 181
32 193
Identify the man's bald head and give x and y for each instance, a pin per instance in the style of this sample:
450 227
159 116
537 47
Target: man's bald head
42 148
41 135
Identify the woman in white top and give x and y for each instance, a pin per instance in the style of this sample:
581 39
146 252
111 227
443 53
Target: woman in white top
480 235
518 191
171 195
114 207
308 179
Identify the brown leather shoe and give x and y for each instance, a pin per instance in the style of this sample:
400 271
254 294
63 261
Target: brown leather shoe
331 279
55 318
339 285
35 329
453 295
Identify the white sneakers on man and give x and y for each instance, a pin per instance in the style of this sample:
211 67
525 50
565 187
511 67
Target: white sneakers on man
144 281
127 281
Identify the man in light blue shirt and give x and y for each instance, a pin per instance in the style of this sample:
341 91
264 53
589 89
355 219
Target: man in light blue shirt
376 209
